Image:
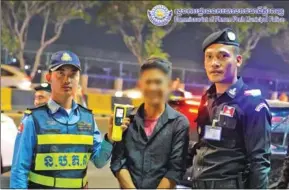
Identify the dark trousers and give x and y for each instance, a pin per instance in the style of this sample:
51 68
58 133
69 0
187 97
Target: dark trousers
217 184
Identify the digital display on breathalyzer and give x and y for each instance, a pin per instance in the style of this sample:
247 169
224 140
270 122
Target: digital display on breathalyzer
119 114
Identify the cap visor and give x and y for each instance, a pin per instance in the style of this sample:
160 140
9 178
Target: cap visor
60 65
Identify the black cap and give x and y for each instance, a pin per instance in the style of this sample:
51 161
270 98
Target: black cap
226 36
61 58
43 86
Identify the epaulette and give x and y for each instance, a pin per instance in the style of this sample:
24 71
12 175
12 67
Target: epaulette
253 92
28 111
85 108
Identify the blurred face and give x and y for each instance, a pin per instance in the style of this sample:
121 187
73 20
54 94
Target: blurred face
221 63
41 97
64 81
155 86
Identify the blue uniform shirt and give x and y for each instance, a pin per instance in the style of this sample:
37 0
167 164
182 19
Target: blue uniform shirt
26 141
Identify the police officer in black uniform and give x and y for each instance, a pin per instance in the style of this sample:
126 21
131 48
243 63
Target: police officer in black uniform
234 123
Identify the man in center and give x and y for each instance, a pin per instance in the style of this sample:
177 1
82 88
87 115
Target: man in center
153 150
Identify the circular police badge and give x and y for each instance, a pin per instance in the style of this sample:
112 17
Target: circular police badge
231 36
160 15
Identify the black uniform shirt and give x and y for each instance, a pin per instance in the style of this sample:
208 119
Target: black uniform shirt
149 159
244 145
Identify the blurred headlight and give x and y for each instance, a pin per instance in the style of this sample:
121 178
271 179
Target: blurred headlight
134 94
25 85
118 94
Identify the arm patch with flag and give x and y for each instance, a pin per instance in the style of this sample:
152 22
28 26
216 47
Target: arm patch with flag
20 128
260 106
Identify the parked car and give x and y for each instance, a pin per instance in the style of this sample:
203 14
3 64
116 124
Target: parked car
8 135
14 78
279 137
186 103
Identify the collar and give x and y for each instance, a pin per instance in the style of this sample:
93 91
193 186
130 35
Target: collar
231 92
169 112
54 107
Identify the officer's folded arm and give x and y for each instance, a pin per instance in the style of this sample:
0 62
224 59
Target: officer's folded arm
177 160
101 150
23 159
119 168
284 179
257 143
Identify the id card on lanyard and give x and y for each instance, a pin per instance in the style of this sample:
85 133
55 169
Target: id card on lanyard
213 132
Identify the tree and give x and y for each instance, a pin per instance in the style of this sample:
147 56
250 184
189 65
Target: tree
130 20
16 17
249 33
280 43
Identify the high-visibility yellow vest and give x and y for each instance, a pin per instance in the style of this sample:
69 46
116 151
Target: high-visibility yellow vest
62 152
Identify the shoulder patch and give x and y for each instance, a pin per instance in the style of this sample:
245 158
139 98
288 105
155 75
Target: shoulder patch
260 106
38 107
253 92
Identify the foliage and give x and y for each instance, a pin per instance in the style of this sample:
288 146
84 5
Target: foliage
16 17
280 43
249 33
130 19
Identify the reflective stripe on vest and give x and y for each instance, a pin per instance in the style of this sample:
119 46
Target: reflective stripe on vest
61 161
64 139
62 151
58 182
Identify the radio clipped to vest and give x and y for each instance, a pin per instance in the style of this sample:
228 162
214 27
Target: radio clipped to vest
121 111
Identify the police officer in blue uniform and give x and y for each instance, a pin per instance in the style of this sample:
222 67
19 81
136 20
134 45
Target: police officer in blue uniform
234 123
59 138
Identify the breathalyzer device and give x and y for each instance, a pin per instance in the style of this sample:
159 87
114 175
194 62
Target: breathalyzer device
121 111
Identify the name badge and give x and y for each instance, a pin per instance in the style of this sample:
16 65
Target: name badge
213 133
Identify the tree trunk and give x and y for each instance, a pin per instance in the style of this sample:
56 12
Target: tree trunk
36 62
140 59
20 57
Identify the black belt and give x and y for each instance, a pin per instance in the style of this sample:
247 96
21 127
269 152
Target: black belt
216 184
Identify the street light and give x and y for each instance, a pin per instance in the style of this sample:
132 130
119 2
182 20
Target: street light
39 71
26 67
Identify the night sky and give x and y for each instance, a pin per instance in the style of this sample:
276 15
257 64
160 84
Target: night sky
182 44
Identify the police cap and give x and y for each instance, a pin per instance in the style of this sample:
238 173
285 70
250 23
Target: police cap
226 36
43 86
61 58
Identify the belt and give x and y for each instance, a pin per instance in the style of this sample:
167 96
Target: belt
57 182
215 184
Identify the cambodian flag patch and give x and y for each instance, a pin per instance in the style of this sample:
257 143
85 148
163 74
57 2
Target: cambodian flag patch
260 106
20 128
228 111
